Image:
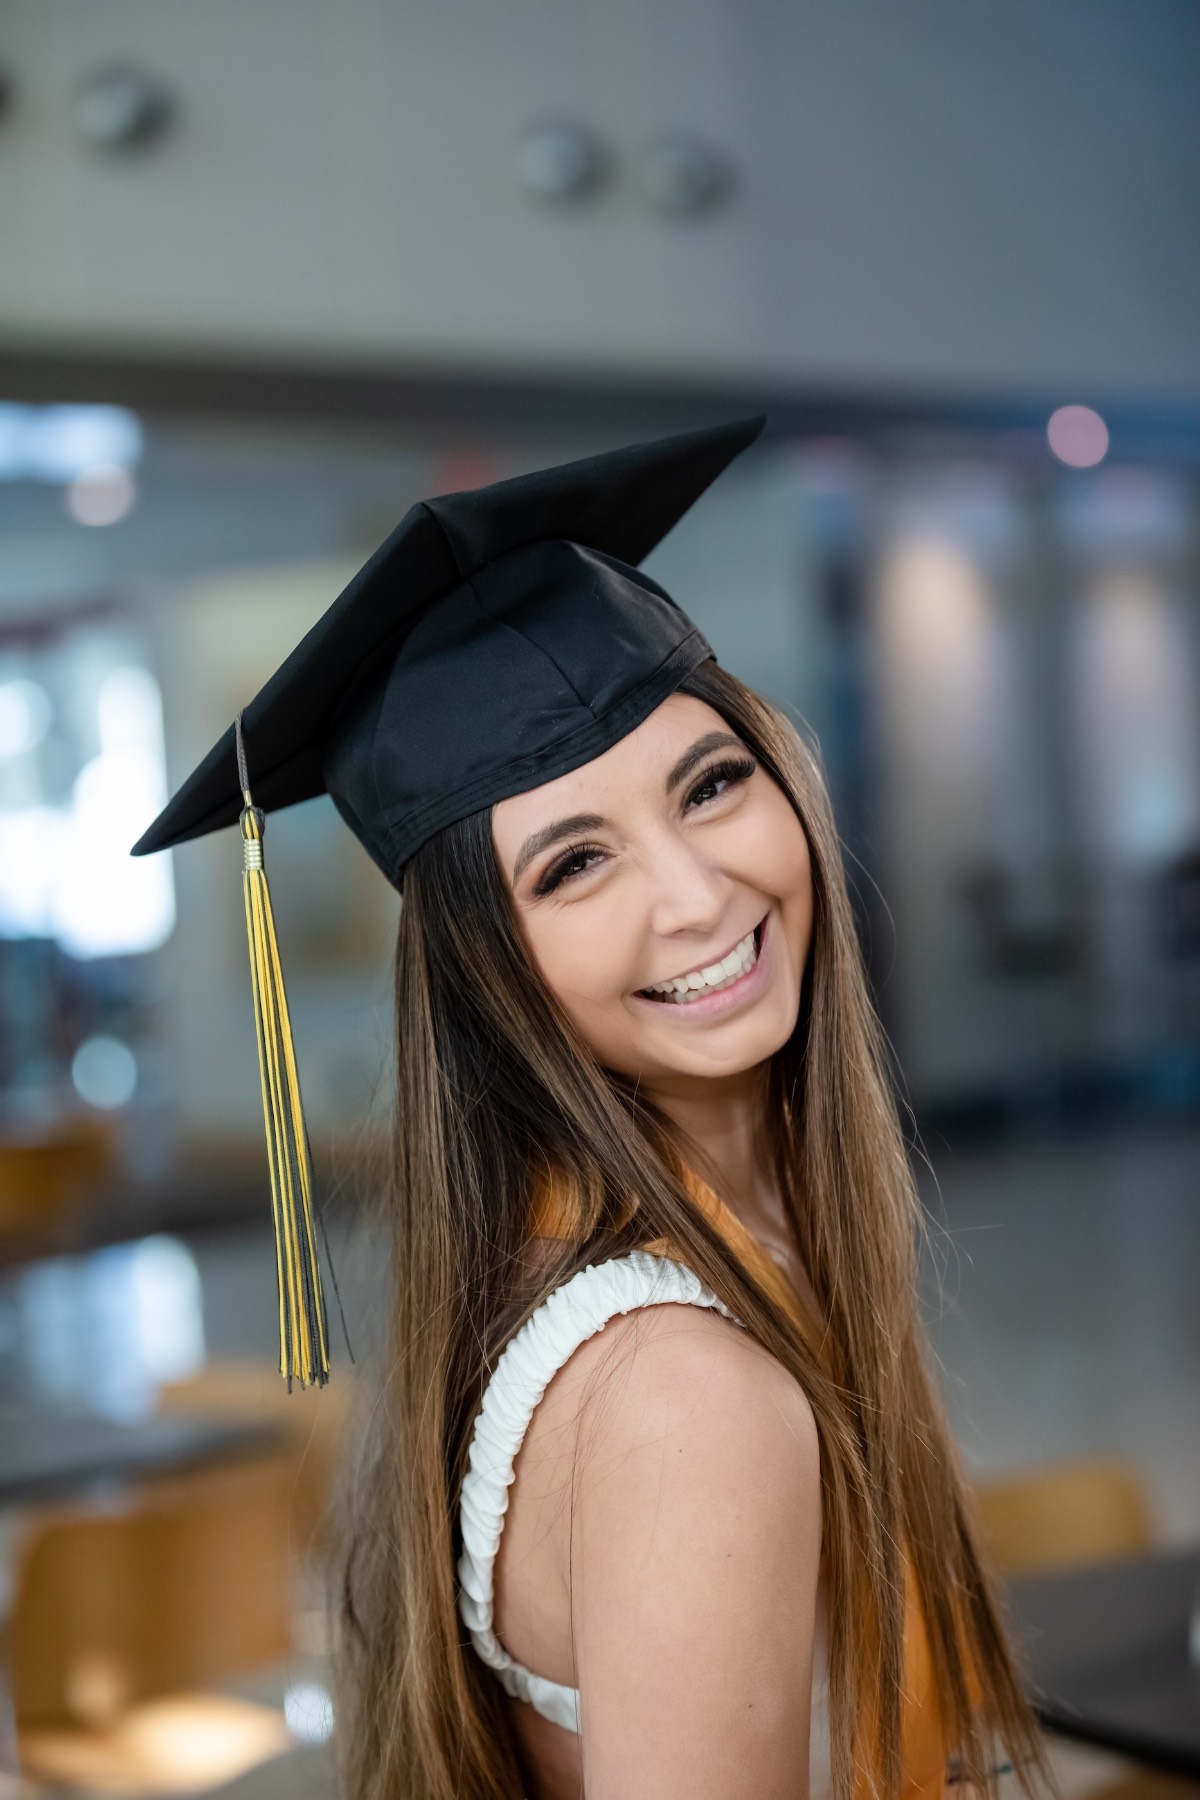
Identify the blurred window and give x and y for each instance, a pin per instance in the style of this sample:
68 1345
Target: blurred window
82 772
105 1331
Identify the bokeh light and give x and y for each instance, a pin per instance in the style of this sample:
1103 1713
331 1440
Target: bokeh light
1078 436
101 495
104 1073
308 1710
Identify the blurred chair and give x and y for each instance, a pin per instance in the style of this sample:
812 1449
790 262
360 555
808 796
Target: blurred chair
1063 1515
316 1422
46 1181
1060 1517
119 1616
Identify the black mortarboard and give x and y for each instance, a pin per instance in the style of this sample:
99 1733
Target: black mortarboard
499 638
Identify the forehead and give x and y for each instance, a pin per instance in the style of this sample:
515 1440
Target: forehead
640 760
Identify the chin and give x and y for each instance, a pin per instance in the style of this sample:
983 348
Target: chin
721 1064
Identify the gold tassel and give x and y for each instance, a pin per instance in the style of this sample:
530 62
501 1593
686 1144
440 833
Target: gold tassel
303 1334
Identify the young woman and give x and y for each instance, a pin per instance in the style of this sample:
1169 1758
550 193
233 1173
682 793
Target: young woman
662 1504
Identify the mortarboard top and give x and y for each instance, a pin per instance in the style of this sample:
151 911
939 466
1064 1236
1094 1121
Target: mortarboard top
497 639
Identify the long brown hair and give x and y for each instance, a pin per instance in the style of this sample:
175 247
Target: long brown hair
495 1091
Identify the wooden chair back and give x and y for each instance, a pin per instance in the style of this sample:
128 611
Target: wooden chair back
1063 1515
180 1585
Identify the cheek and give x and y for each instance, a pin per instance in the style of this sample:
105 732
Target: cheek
795 872
779 865
587 964
585 955
772 854
795 865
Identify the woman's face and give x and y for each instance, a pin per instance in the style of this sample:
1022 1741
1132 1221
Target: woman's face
664 892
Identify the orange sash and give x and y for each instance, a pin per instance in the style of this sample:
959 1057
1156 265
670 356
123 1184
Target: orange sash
924 1753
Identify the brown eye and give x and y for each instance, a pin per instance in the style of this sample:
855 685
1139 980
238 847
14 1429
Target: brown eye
722 776
575 861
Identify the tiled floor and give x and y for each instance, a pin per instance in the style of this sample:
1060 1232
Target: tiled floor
1068 1318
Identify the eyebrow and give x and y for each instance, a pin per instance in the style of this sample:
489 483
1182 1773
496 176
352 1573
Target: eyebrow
714 740
541 840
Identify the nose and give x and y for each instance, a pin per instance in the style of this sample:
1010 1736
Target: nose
688 891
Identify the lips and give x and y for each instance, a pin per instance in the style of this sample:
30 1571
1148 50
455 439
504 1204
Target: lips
709 978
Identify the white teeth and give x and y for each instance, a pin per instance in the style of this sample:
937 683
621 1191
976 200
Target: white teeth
680 989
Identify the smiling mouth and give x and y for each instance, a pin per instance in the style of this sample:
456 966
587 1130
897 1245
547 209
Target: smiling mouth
681 990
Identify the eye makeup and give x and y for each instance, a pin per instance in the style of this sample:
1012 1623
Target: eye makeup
574 861
733 769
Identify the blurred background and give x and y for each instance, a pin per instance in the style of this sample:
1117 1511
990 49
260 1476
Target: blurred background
270 273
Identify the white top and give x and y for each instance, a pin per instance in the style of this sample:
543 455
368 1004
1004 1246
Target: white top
573 1313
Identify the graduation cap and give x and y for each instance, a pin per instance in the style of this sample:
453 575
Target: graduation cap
497 639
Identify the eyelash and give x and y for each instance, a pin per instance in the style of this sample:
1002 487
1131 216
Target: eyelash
733 769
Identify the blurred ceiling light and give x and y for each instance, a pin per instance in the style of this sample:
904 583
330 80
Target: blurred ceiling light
683 177
102 495
1078 436
57 443
121 108
24 717
104 1073
561 162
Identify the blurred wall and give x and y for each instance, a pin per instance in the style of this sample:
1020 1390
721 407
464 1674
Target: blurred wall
971 196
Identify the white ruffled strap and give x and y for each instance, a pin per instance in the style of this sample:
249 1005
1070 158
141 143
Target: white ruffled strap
572 1314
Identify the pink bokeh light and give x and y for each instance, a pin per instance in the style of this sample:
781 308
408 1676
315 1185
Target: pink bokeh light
1078 436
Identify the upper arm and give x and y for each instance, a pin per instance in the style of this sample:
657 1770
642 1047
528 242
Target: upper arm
694 1555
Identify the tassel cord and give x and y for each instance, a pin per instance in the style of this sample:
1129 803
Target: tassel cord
319 1211
304 1351
303 1324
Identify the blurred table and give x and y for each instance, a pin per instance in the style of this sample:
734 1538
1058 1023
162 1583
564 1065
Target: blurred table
46 1455
1108 1651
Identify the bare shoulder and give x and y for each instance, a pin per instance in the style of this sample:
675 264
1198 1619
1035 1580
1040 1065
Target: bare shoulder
679 1376
694 1559
677 1372
683 1383
674 1378
662 1553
